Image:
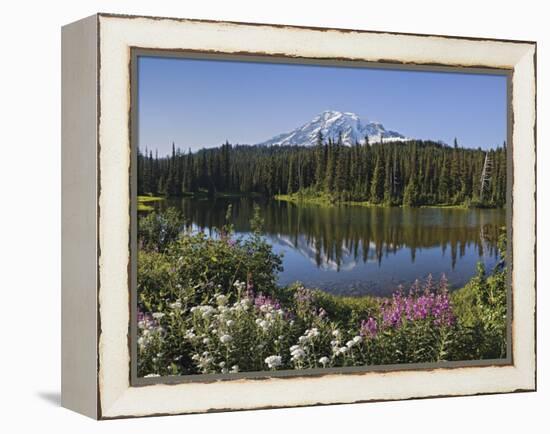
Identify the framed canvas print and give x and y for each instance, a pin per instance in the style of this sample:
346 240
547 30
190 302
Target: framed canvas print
261 216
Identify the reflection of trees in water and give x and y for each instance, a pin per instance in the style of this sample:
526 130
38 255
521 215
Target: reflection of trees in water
362 232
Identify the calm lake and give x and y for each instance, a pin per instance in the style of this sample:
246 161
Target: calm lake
353 250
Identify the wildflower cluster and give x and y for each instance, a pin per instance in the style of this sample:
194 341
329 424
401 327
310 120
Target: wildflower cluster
229 337
258 332
430 303
150 341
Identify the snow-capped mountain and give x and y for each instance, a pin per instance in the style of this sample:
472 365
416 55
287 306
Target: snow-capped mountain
332 124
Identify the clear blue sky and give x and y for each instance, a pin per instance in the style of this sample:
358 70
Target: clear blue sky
201 103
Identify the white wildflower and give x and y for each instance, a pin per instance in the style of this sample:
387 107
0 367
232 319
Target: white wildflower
357 339
234 369
265 308
225 339
313 332
221 300
229 322
176 305
158 315
324 361
206 310
298 353
273 361
239 286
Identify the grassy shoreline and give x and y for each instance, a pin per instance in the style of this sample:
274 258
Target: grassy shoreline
325 200
316 198
145 199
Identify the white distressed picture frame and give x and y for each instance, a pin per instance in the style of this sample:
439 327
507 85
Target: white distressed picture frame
96 378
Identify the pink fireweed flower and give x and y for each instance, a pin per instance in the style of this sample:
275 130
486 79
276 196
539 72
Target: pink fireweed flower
264 300
249 286
417 305
393 309
146 320
428 286
322 313
369 328
303 295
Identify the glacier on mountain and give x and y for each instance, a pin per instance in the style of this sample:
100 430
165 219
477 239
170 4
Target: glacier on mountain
333 124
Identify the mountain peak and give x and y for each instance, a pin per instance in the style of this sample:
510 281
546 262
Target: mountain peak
333 124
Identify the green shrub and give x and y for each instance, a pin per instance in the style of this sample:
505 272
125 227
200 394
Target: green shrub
349 310
157 230
192 267
481 309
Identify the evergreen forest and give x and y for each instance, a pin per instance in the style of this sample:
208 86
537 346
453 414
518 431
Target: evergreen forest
410 173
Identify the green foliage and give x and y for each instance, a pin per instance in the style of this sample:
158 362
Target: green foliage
194 266
411 194
377 185
348 310
157 230
481 307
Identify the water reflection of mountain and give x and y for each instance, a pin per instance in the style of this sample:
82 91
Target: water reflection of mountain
340 237
347 261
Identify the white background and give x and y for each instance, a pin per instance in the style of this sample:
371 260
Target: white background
30 216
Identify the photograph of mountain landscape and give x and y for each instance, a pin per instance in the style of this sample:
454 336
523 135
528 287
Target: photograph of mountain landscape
303 216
